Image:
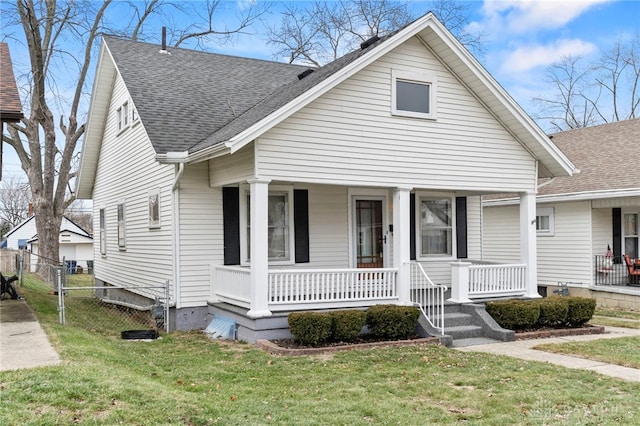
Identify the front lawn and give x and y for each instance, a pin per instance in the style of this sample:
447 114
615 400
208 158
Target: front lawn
623 351
185 378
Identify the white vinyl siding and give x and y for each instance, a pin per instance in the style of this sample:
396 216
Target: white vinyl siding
501 234
563 257
201 234
127 170
566 256
231 169
347 136
474 227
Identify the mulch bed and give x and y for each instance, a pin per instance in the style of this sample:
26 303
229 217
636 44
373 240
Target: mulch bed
290 347
559 332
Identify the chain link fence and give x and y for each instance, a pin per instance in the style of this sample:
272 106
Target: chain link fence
107 310
118 311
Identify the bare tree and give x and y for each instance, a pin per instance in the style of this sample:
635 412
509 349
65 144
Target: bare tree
15 197
586 94
323 31
61 38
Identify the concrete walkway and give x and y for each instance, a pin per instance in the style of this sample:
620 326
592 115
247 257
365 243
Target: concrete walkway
523 349
23 343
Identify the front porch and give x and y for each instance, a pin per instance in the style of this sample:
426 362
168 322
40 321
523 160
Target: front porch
290 290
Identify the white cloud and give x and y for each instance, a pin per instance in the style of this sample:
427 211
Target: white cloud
522 16
526 58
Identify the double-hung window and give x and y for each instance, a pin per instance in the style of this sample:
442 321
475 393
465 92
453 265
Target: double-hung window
280 231
413 94
436 226
545 221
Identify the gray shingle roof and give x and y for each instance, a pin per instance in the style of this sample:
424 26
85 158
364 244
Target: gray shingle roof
186 96
608 157
284 95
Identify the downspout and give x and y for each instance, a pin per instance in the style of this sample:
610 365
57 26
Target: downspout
176 235
179 159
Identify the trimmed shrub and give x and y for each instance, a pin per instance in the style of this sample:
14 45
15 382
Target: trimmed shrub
581 310
347 324
553 311
310 328
392 322
514 314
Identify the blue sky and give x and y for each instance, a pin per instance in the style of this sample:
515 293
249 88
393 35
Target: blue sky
523 37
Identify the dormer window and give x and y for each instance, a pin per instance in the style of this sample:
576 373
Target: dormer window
413 94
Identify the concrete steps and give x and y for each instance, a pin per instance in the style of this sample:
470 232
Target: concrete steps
469 324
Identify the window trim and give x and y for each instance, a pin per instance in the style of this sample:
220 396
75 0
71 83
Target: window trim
103 231
154 224
245 192
122 117
425 78
548 212
421 196
122 225
625 236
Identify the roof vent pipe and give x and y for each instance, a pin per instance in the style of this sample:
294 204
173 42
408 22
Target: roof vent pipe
164 40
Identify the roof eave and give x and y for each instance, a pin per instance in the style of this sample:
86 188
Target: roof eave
96 119
568 197
563 166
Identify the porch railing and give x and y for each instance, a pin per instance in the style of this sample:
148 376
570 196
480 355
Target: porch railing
428 296
303 286
497 280
233 285
610 270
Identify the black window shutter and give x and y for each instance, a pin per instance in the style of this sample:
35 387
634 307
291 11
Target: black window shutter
617 234
231 224
461 227
301 224
412 227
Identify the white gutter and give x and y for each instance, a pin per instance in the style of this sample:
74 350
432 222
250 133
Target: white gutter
576 196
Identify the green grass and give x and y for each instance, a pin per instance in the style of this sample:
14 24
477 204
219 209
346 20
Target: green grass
185 378
623 351
616 318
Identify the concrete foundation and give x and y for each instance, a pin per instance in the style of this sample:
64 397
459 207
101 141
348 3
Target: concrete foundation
614 297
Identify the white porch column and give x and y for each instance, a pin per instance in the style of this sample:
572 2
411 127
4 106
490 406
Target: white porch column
460 282
401 238
528 254
259 201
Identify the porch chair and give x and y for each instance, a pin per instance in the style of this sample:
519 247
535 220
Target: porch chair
7 287
634 274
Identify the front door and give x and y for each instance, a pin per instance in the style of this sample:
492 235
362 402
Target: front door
369 233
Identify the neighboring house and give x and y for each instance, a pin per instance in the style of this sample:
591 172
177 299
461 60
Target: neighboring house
580 217
76 244
258 188
10 105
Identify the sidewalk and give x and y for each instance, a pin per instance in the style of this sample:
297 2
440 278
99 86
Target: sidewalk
23 343
523 349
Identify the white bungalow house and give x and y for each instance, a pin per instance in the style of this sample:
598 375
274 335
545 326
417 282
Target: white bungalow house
76 244
587 222
258 188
